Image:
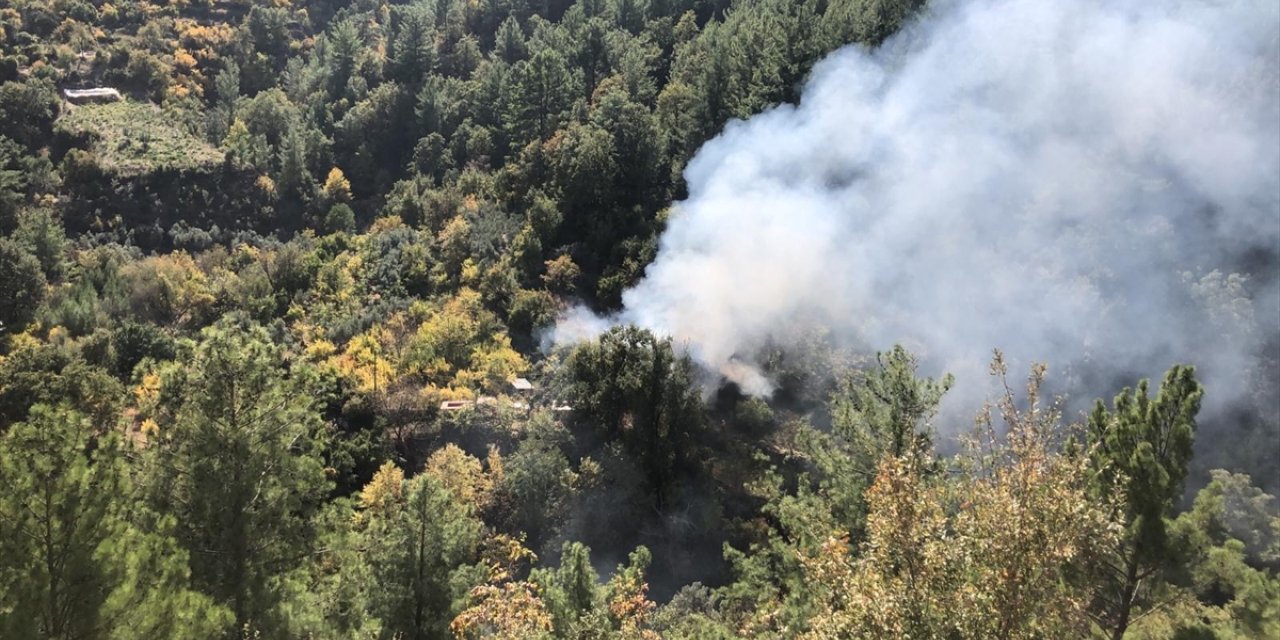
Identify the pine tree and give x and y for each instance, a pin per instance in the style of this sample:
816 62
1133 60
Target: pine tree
541 91
1140 449
417 534
509 42
22 286
294 181
572 592
884 411
223 113
413 50
234 461
79 556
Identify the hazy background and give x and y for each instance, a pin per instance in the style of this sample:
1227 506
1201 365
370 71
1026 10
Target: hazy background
1091 184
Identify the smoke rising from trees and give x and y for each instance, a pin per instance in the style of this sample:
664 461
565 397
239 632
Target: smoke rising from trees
1093 184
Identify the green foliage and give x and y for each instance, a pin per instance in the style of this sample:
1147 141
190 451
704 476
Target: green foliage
535 490
635 388
1231 507
22 175
22 286
331 598
413 48
991 550
883 411
877 413
509 42
1140 449
541 91
506 161
368 143
134 342
869 21
1142 446
576 580
1223 587
132 138
27 111
234 463
415 539
42 234
343 49
694 613
46 374
78 557
223 113
340 218
887 410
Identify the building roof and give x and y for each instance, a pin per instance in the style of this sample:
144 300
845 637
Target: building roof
522 384
99 92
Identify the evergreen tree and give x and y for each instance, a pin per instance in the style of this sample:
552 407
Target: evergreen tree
343 47
22 286
573 594
417 534
227 91
633 385
540 93
884 411
295 181
79 556
234 461
1140 448
27 111
42 234
413 49
509 42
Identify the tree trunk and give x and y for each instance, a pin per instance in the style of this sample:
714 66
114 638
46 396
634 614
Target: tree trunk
1127 592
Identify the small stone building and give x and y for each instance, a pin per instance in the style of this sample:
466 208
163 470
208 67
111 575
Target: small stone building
88 96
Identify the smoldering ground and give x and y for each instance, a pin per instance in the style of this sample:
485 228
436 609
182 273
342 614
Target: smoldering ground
1091 184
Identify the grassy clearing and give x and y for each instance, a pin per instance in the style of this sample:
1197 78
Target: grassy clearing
131 138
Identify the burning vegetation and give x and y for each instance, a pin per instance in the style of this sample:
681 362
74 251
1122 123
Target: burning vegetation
640 319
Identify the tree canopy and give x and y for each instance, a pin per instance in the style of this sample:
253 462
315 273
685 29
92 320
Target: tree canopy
275 362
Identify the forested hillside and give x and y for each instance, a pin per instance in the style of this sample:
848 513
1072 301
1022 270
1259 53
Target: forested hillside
276 359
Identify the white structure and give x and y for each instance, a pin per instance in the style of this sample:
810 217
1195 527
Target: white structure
101 94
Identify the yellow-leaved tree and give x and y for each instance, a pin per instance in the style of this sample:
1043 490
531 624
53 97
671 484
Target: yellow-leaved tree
368 361
994 549
336 187
462 474
503 607
461 344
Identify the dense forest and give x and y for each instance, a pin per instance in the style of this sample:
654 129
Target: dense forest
274 358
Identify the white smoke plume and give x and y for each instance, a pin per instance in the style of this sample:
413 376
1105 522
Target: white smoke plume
1070 181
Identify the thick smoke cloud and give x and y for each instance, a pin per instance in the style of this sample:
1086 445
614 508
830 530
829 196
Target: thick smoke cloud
1072 182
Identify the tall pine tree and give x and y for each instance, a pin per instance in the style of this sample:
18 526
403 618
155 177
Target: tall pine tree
80 556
